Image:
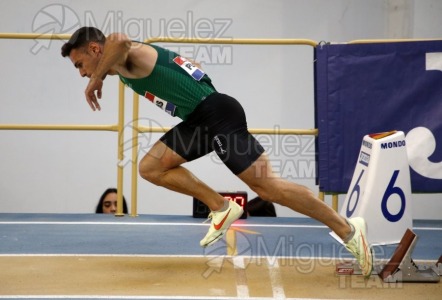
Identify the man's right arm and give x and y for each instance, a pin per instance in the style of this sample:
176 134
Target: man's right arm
115 53
114 56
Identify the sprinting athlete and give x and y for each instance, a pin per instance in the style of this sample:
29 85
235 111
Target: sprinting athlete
211 122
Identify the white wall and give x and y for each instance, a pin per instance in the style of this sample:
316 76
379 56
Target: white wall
66 172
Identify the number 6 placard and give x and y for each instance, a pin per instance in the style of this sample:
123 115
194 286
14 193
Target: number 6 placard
380 190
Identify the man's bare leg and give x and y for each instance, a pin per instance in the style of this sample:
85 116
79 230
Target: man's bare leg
261 179
162 166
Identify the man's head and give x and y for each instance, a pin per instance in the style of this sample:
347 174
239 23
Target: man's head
81 38
85 48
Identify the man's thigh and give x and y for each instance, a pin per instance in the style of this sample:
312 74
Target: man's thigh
189 142
160 156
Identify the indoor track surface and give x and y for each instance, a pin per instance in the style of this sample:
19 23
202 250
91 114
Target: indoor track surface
53 256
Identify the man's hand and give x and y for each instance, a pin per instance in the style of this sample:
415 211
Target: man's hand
95 85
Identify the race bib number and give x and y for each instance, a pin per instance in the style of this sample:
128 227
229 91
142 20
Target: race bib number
162 104
189 67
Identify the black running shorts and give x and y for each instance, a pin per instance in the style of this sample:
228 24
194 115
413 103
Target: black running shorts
217 124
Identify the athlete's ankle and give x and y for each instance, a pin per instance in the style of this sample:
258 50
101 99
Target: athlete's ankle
224 207
351 234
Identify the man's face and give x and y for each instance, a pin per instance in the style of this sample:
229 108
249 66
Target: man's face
86 58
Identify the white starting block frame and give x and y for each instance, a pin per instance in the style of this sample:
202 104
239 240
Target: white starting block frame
401 267
380 190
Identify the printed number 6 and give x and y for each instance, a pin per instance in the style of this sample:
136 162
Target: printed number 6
356 189
391 190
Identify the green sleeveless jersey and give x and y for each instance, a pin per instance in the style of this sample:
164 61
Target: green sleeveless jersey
175 84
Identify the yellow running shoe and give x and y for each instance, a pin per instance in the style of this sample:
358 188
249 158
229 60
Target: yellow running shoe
221 221
359 247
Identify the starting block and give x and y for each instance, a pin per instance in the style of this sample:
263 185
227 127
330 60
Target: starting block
439 266
380 190
401 267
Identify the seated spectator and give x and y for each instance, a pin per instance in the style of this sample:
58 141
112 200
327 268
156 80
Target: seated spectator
108 202
260 208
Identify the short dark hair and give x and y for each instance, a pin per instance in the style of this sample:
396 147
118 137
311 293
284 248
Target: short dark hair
81 37
99 209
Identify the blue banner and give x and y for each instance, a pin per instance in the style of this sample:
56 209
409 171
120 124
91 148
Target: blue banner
368 88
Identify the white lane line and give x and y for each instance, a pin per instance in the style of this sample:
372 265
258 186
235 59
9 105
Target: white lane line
336 259
242 289
427 228
151 224
109 255
175 224
105 297
275 279
139 297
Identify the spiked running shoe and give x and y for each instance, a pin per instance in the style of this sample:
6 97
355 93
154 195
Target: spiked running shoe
221 221
359 247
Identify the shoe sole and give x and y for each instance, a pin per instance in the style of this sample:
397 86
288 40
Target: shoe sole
216 239
369 249
372 260
223 231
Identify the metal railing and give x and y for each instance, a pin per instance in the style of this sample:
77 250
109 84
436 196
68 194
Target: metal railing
136 128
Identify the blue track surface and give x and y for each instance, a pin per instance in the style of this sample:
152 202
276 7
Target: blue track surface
41 234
